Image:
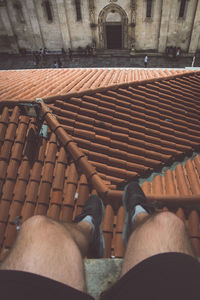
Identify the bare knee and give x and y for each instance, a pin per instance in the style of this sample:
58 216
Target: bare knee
41 226
37 223
167 220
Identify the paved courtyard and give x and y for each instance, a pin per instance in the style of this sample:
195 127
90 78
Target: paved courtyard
9 62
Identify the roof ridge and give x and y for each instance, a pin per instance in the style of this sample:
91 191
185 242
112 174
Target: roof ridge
70 145
114 198
117 86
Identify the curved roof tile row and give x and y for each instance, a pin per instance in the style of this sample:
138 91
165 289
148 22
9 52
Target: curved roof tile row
129 132
40 83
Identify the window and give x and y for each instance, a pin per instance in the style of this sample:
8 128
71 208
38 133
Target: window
47 6
19 12
149 9
78 10
91 4
182 9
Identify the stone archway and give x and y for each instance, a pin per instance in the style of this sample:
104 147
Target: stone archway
113 28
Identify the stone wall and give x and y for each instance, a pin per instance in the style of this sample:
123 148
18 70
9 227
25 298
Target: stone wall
147 29
25 24
180 29
20 24
80 31
50 31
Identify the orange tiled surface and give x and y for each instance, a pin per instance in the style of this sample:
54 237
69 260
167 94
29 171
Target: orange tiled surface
31 84
126 131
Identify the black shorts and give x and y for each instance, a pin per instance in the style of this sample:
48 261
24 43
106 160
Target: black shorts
165 276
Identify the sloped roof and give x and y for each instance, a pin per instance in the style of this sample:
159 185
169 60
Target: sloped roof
131 130
40 83
122 132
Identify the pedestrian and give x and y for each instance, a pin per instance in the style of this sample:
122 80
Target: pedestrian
59 63
70 53
167 51
63 52
44 55
45 51
87 50
146 61
193 61
93 50
41 52
36 56
46 261
174 51
55 64
178 52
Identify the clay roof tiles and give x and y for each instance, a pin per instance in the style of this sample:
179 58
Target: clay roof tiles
100 139
40 83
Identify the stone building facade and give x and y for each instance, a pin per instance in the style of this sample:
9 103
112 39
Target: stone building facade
143 25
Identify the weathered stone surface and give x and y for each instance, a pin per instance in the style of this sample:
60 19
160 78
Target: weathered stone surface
180 29
32 29
195 36
162 41
6 30
64 26
101 274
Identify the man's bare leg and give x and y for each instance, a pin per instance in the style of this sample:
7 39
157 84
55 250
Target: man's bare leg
159 233
51 249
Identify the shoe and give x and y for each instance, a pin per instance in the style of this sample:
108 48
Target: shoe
94 207
133 195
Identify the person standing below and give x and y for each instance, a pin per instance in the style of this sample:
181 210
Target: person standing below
56 64
59 63
145 61
178 52
41 52
70 53
44 55
36 58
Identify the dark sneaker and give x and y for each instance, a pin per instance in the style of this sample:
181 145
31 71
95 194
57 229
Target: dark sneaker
94 207
133 195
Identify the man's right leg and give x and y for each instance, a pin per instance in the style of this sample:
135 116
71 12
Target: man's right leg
159 261
159 233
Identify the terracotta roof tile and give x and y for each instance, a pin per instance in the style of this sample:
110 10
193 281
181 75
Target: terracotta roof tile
122 131
31 84
180 213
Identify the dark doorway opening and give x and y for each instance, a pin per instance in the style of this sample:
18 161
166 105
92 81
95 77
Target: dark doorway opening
114 36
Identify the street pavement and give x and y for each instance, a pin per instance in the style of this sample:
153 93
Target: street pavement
13 62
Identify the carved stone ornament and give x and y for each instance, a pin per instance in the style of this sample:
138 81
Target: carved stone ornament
91 11
92 15
133 5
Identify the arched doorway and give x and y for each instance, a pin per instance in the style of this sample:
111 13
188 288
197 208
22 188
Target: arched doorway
113 27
